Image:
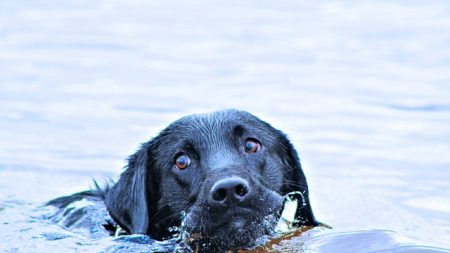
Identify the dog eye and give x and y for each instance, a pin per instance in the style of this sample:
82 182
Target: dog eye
182 162
252 146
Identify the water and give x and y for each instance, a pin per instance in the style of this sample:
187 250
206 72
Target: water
362 88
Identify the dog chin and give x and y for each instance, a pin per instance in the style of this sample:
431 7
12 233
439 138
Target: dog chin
238 232
233 235
209 230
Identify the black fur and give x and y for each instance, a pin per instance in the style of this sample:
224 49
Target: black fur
152 192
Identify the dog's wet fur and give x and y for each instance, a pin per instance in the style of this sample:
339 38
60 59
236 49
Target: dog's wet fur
225 171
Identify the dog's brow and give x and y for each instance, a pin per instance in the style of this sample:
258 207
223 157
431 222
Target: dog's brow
239 130
186 144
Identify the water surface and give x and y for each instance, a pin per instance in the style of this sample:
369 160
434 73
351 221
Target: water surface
362 88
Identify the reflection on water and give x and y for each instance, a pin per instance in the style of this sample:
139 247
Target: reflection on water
361 88
358 241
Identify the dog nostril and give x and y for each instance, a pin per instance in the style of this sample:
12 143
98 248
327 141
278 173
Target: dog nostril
230 191
241 190
220 194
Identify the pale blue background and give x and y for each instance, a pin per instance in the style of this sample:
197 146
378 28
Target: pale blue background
362 88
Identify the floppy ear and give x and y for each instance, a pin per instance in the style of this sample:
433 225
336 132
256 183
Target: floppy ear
127 200
295 180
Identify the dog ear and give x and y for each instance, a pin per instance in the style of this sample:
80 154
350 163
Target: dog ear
127 200
295 180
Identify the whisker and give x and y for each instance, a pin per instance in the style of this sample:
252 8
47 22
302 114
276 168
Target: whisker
160 209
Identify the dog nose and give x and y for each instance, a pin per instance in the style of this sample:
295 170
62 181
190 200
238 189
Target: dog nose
230 190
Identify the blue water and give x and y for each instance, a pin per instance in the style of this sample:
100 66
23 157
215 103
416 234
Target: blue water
362 88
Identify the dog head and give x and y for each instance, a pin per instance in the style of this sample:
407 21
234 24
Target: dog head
226 171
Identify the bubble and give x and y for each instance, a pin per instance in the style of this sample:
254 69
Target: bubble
174 229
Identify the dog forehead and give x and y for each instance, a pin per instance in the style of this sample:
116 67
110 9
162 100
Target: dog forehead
214 131
212 123
216 117
208 128
214 135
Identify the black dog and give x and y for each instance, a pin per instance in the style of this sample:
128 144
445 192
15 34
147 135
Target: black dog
226 171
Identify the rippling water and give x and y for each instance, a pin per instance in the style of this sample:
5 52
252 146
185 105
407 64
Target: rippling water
362 88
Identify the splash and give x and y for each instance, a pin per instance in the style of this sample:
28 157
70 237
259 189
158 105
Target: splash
278 226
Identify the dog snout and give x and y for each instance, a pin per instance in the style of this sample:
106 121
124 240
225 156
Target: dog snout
228 191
